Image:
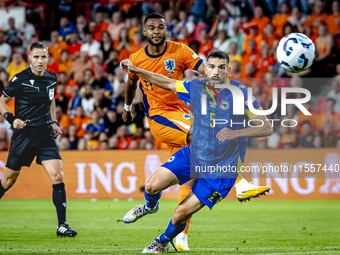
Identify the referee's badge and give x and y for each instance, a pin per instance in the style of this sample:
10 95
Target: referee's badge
51 93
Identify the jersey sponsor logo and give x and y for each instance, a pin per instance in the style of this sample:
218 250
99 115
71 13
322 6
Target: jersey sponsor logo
170 64
32 82
51 93
14 78
186 116
171 159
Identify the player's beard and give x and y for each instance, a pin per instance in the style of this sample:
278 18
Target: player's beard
213 81
156 44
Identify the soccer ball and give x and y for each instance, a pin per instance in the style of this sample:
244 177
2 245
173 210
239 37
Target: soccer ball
295 52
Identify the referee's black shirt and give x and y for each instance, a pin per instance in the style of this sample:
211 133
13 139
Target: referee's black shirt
33 96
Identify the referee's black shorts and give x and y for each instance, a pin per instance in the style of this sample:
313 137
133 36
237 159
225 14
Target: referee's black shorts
31 142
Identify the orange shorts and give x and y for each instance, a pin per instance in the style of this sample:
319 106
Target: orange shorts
171 128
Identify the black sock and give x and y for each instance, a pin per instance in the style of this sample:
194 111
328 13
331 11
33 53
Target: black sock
2 190
59 201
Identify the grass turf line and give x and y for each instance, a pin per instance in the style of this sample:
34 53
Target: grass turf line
28 226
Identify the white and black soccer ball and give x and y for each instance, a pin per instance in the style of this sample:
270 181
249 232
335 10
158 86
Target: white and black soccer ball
295 52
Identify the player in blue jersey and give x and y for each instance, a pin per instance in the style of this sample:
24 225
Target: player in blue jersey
219 142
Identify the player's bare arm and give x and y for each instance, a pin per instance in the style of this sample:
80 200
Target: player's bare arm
156 79
16 122
261 127
55 126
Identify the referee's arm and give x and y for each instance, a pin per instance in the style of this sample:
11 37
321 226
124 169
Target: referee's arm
55 126
17 123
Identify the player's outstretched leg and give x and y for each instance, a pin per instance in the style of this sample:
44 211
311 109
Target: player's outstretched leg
54 170
246 191
176 225
160 180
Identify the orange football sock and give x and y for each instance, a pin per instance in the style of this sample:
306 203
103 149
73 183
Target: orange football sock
183 193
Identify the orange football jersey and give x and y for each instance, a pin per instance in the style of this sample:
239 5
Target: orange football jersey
172 62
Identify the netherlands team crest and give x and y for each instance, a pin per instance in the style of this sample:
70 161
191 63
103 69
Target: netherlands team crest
170 64
51 93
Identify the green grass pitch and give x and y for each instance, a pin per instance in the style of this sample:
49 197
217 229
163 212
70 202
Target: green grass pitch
257 227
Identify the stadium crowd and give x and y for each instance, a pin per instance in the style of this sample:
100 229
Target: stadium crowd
90 91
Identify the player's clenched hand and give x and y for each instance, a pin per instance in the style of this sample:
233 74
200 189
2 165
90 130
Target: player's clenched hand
56 129
226 134
126 64
19 124
127 117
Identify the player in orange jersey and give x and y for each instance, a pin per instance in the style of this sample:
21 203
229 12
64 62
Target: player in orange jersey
168 117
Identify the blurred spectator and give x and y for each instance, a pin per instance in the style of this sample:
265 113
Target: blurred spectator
333 20
252 56
170 21
66 28
330 117
3 79
56 47
184 22
259 19
288 29
12 35
5 51
52 64
74 46
221 43
60 98
64 64
270 37
246 8
63 119
112 62
267 85
101 81
313 119
112 122
210 14
225 23
306 140
123 138
91 141
75 100
287 140
233 56
335 94
80 120
101 103
3 140
136 43
28 32
122 45
99 27
68 83
90 46
329 138
238 38
4 125
205 45
253 33
323 48
235 70
281 18
16 66
135 27
106 46
312 23
96 124
72 137
297 19
265 61
115 26
64 144
82 27
317 142
87 101
183 36
79 66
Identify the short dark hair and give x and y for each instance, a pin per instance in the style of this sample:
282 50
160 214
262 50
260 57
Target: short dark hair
331 99
153 16
38 45
219 54
306 122
65 51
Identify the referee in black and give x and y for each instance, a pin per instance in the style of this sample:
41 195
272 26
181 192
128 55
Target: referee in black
35 128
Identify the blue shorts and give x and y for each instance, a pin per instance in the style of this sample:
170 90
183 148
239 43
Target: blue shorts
179 164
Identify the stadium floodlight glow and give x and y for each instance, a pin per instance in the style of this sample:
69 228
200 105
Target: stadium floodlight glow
238 100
